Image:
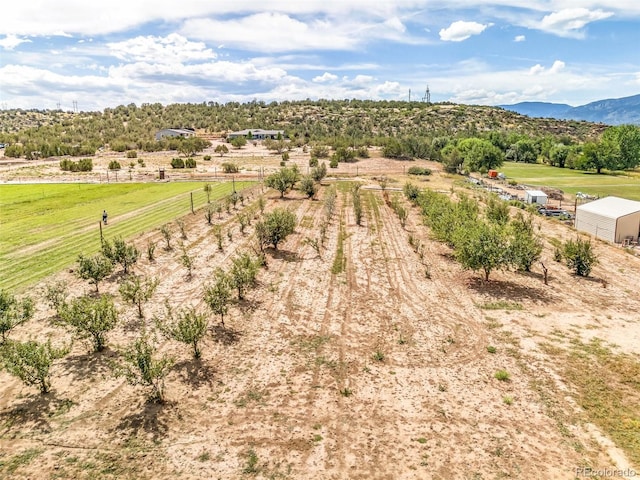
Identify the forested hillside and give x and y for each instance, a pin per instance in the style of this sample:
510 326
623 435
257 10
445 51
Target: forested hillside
362 122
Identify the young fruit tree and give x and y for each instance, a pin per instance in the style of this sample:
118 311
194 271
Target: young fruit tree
579 256
218 295
31 361
137 291
308 186
275 227
141 366
13 312
95 268
524 246
120 252
283 180
187 326
479 246
243 273
91 318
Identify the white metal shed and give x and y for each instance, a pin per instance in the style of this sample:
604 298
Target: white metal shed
611 218
535 196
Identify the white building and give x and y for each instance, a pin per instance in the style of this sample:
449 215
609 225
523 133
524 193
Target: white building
257 134
174 132
535 196
611 218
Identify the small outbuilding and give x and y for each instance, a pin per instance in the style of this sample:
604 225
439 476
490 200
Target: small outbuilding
535 196
612 219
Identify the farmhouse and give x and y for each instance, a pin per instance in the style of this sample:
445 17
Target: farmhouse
256 134
611 218
174 132
535 196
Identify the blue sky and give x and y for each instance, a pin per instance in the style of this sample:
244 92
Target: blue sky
103 54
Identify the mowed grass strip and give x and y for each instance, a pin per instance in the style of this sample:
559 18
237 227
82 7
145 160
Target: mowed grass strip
621 184
65 221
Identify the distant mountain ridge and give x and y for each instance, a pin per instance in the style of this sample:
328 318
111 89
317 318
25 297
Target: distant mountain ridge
613 111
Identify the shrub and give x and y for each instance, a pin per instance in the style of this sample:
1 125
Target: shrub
411 192
82 165
579 256
319 172
502 375
132 154
190 163
114 165
418 171
220 150
333 163
228 167
313 162
207 158
320 151
177 162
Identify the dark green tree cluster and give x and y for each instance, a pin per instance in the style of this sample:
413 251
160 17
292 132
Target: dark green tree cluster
479 243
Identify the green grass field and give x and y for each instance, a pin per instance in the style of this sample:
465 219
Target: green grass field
43 227
573 181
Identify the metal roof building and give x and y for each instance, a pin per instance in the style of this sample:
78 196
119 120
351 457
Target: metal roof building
174 132
535 196
611 218
257 134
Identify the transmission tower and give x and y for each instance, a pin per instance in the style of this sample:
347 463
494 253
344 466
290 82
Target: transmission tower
427 95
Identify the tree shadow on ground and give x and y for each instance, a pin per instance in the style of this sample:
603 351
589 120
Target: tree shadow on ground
225 335
34 413
248 305
506 290
151 420
196 373
285 255
90 365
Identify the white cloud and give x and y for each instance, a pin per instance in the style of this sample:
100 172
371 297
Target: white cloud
12 41
557 66
325 77
461 30
570 21
170 49
538 69
519 38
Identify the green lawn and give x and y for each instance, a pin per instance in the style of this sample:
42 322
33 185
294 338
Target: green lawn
572 181
43 227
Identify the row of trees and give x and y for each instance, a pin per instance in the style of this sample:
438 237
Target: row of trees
91 317
493 239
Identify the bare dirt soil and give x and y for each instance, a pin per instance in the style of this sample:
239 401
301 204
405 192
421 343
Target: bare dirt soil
379 371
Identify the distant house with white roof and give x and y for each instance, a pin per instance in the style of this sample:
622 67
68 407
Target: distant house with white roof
612 219
174 132
256 134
